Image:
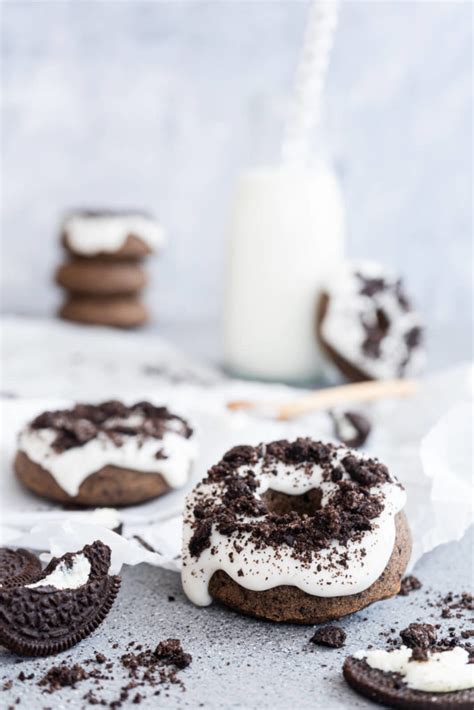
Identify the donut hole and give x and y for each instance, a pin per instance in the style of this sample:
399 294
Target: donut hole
282 503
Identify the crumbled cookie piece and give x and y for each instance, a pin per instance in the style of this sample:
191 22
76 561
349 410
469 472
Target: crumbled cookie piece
419 635
331 636
409 584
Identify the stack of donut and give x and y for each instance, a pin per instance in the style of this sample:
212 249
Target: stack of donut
103 275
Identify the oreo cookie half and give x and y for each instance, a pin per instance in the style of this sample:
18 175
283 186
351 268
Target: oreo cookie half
65 603
17 567
389 689
351 428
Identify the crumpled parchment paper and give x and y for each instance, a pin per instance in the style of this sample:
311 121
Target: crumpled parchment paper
426 440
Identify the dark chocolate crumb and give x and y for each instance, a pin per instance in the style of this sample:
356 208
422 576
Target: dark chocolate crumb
409 584
419 635
170 653
332 636
62 676
419 654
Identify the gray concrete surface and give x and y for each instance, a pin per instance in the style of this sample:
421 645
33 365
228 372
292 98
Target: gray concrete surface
239 662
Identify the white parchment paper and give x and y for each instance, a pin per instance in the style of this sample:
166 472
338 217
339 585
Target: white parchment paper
425 440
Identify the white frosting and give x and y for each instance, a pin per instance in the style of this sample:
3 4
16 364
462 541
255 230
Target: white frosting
108 233
342 328
64 577
260 569
71 467
443 672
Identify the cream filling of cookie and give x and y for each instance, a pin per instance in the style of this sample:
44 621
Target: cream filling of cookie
108 233
65 577
443 672
71 467
343 330
338 570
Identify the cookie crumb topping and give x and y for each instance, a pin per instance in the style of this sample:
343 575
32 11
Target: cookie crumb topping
84 422
348 512
301 513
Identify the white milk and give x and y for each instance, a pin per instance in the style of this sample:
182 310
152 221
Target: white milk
287 234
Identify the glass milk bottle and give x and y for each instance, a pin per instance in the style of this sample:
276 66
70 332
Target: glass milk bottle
287 233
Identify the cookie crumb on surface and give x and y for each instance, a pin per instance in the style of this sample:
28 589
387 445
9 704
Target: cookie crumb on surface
409 584
62 676
419 635
170 653
331 636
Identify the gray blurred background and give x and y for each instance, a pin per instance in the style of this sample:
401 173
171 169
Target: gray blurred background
160 104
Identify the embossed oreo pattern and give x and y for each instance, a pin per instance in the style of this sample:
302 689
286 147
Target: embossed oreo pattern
17 567
45 621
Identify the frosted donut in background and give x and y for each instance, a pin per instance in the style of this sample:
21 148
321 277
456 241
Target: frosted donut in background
367 325
105 455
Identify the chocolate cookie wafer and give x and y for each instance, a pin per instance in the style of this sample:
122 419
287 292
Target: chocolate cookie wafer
68 601
422 674
17 567
390 690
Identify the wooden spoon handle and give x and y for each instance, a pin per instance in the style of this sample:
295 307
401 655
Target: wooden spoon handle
356 392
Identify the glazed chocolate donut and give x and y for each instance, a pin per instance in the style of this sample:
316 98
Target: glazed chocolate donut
107 454
99 277
297 531
366 325
119 311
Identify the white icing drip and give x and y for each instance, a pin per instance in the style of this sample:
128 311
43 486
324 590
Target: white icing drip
342 328
71 467
443 672
108 233
260 569
64 577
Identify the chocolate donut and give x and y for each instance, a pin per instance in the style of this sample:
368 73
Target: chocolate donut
297 531
120 311
105 455
99 277
111 234
366 325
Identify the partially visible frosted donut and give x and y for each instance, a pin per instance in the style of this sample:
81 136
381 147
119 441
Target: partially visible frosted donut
367 326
